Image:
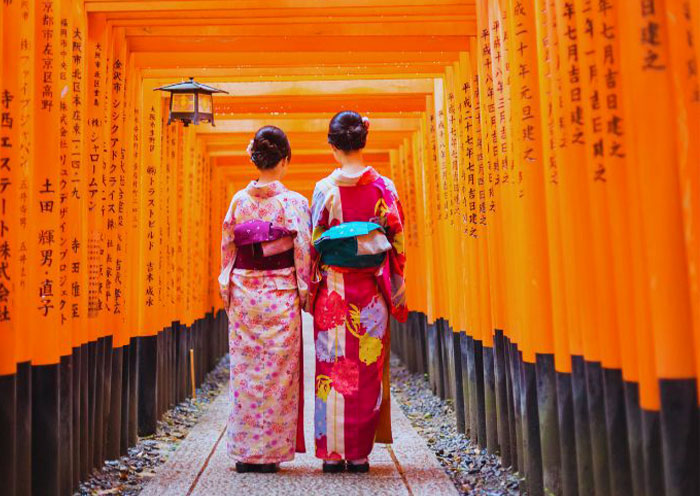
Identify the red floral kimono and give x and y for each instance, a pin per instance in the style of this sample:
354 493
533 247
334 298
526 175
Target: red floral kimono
351 308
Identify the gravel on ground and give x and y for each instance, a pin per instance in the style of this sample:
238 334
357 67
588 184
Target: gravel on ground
128 475
473 470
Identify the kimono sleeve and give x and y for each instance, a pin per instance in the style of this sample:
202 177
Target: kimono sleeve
302 247
319 224
397 257
228 251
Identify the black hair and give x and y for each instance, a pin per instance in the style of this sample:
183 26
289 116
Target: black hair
270 145
347 131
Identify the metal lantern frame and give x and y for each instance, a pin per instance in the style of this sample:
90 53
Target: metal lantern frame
195 89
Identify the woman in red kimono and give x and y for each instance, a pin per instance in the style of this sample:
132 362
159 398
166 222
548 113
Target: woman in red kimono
357 283
265 256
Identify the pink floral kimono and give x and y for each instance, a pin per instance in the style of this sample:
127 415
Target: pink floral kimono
351 308
265 252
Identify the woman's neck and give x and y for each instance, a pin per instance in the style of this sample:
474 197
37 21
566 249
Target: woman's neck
353 163
267 176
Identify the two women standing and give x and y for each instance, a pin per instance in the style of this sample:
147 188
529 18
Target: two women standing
350 278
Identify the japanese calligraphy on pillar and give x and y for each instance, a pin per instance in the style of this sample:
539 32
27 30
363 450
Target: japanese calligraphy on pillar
453 130
46 195
488 109
133 294
524 76
596 23
441 137
24 183
150 219
572 92
10 174
76 233
94 173
411 193
436 202
180 198
608 63
171 207
480 173
65 211
117 182
151 215
470 138
550 85
501 87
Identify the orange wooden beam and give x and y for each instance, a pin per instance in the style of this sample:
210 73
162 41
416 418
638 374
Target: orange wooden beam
365 71
350 14
319 104
278 7
293 27
264 58
283 44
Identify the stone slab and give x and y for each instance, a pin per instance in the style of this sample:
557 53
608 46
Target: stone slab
200 466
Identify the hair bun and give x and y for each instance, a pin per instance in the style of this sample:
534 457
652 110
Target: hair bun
270 145
355 130
347 131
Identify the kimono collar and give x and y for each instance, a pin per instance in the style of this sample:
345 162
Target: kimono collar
365 176
265 190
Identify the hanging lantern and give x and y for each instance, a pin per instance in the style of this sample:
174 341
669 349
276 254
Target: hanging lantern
191 102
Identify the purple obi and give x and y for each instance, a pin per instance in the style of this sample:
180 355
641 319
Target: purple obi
262 246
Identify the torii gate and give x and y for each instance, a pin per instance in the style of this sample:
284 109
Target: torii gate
546 152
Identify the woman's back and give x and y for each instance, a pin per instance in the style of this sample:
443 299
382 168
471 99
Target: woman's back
265 254
357 282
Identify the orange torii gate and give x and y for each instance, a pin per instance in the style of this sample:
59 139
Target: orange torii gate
548 160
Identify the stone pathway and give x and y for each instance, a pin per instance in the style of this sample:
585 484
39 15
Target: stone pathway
200 466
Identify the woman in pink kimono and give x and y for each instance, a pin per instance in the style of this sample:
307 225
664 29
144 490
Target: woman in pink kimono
357 282
265 255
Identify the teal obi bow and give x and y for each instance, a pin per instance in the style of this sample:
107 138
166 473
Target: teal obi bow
339 245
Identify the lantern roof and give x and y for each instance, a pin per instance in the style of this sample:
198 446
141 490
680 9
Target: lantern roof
190 85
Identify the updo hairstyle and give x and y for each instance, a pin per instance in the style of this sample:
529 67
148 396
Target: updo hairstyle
347 131
270 145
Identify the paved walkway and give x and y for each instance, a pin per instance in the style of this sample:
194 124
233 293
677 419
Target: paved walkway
200 465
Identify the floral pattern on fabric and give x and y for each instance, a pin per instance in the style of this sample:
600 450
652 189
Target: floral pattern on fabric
265 375
373 317
351 308
329 346
323 387
370 347
264 311
274 203
345 376
330 310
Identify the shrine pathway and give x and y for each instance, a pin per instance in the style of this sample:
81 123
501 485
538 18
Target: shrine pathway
200 466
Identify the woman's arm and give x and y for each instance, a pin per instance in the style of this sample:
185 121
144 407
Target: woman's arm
228 251
302 248
397 257
319 224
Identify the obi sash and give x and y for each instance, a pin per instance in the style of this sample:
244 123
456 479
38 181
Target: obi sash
262 246
353 244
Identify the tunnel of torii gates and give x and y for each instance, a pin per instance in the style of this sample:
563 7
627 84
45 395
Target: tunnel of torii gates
547 156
